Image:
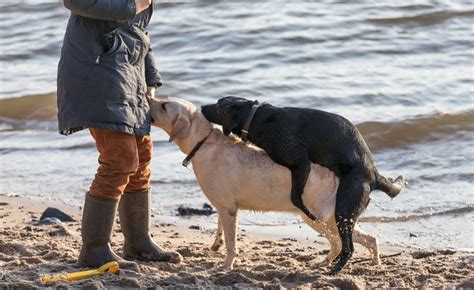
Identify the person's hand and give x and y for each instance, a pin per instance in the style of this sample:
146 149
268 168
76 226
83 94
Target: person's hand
150 93
142 5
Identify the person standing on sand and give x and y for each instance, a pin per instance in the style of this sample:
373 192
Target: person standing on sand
106 74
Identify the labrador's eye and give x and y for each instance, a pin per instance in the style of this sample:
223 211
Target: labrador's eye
163 106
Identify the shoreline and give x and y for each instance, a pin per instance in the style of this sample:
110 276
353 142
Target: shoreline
299 231
269 256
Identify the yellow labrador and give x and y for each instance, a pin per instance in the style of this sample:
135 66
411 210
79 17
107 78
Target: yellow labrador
237 176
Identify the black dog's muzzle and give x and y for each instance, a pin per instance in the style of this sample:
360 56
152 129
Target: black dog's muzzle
210 112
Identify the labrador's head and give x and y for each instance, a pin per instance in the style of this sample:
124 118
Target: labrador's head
173 115
230 112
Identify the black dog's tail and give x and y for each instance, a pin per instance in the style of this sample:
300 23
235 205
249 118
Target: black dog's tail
391 187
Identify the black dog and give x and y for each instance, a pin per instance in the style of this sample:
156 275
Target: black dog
295 137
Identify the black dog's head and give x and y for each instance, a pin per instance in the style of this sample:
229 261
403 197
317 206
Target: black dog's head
230 112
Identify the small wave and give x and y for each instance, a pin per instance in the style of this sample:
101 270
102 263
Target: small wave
412 217
173 181
425 19
8 124
6 150
41 107
33 107
446 177
382 135
81 146
39 112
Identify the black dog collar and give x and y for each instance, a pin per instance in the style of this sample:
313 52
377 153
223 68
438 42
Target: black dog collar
198 146
245 130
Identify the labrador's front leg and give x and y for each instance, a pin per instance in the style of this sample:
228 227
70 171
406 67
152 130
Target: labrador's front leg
229 223
218 241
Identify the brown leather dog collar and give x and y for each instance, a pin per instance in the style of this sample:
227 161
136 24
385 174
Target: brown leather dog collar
245 130
198 146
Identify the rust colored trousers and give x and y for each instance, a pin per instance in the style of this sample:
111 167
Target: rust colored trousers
124 163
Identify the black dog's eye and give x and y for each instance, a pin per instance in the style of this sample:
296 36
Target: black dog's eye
163 106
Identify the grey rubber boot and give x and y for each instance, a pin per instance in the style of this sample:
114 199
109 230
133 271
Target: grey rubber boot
134 212
97 222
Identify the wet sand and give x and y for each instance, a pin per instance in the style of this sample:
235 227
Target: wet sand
28 251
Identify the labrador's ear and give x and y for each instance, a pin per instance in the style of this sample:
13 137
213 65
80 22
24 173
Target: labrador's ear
180 128
229 122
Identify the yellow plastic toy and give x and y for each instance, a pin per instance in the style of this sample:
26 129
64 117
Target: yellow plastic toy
111 267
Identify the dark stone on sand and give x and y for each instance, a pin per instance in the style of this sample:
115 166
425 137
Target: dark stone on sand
447 252
195 227
3 203
52 212
187 211
412 235
49 221
460 265
423 254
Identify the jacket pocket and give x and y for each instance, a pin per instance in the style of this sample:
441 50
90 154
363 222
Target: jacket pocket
129 41
112 43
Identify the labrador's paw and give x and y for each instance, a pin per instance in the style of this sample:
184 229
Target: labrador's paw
229 263
321 264
376 261
217 245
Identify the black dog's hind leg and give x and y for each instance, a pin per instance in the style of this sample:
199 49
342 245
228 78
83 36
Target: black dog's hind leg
352 198
299 176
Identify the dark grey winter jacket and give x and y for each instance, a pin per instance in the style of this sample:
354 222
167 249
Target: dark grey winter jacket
105 67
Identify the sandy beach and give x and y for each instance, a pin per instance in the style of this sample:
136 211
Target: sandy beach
29 250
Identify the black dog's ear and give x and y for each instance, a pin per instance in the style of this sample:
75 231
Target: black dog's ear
229 122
